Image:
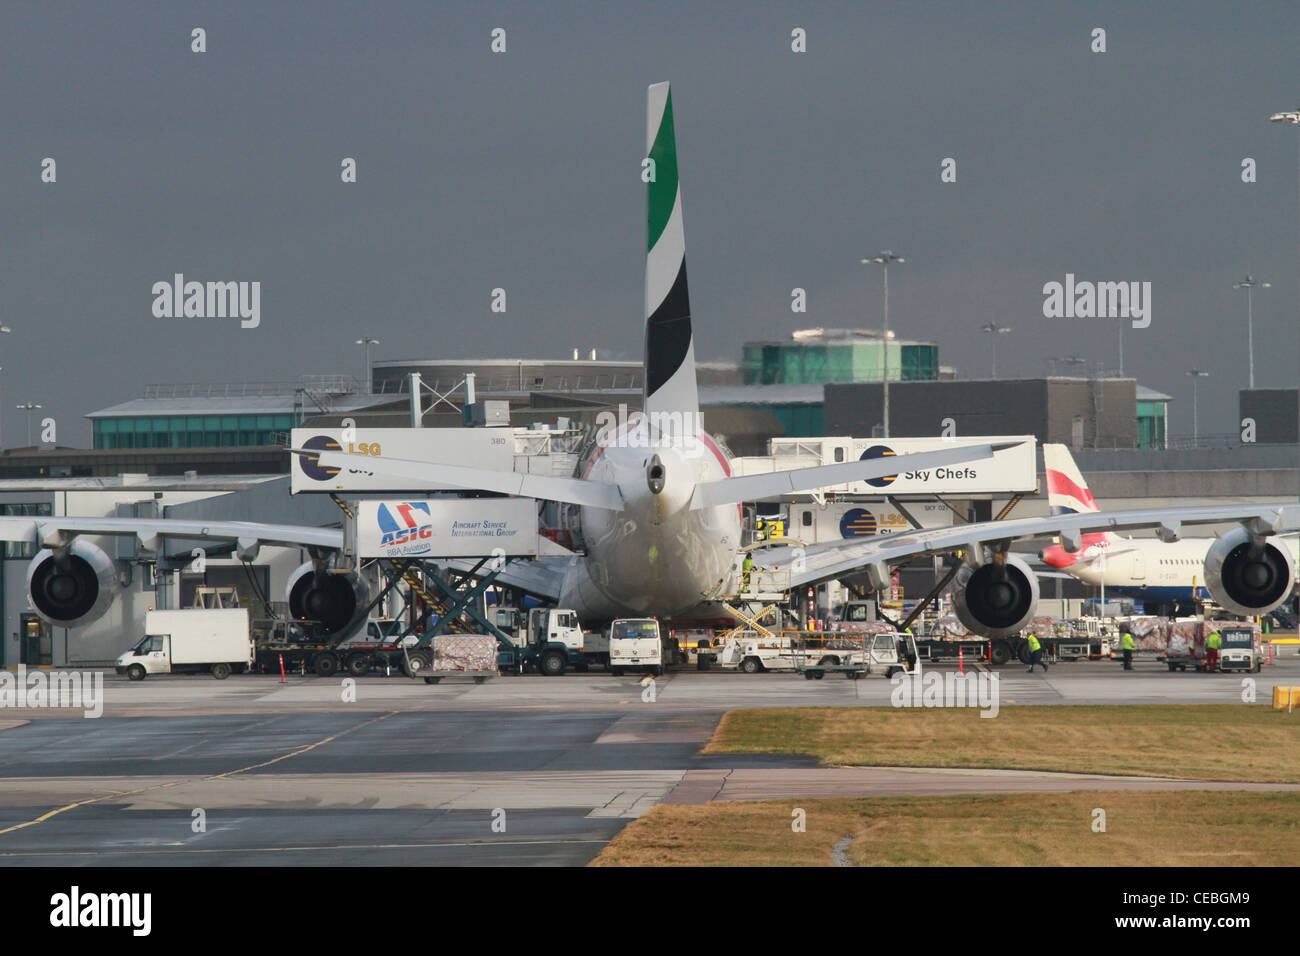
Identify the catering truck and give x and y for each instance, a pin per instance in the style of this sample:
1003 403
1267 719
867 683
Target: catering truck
216 640
548 640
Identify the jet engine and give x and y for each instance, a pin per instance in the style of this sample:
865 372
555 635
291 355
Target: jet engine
1248 578
995 599
335 600
74 588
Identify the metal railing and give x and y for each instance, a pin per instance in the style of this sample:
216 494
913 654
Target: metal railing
326 384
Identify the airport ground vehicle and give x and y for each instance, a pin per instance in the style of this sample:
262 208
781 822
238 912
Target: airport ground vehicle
636 643
1081 639
191 641
752 652
697 647
1242 649
549 640
379 644
1186 639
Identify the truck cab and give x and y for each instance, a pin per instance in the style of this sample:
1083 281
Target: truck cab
636 642
151 655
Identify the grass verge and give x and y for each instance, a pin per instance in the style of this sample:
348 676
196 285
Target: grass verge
1186 741
1143 828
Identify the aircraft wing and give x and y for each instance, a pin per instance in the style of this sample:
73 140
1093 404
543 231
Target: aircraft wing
51 530
875 555
428 475
725 491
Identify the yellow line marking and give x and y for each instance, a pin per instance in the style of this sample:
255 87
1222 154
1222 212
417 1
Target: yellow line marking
176 783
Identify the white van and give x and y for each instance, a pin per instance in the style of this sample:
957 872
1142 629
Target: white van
192 641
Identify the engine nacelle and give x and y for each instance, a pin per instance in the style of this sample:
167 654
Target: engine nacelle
995 599
336 600
1247 579
74 589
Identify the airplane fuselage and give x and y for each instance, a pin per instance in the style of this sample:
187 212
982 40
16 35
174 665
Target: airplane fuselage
1143 567
655 556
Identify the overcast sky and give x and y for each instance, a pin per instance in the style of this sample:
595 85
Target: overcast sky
521 170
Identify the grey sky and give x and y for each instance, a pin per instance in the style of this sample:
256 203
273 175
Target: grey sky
522 171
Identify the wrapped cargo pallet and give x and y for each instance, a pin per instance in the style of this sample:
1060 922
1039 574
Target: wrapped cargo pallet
1150 633
1040 627
464 653
1186 639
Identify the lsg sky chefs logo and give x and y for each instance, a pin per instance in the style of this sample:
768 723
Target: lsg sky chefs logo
208 300
1098 300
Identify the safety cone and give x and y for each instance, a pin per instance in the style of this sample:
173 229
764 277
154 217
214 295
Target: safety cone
960 667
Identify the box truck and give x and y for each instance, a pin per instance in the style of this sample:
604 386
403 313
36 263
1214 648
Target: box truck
217 641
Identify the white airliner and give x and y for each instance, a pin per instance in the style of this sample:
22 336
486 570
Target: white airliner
1147 568
655 510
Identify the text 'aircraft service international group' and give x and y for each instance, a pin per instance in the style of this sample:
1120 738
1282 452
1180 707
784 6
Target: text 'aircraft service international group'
657 511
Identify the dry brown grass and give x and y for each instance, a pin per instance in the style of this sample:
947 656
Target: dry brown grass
1186 741
1143 828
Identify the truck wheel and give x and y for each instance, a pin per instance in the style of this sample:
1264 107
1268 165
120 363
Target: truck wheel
808 675
1000 653
220 671
358 665
615 671
1172 668
432 680
751 665
417 662
552 664
325 665
135 672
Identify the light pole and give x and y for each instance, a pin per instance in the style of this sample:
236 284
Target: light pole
366 342
4 329
1249 283
884 259
995 330
1195 373
29 406
1292 117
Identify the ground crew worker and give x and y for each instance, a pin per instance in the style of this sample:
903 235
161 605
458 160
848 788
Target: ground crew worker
1212 645
746 567
1126 644
1035 653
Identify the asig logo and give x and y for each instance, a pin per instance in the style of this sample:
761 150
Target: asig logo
400 526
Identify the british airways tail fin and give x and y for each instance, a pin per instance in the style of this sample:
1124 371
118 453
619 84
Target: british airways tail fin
670 385
1067 494
1067 491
